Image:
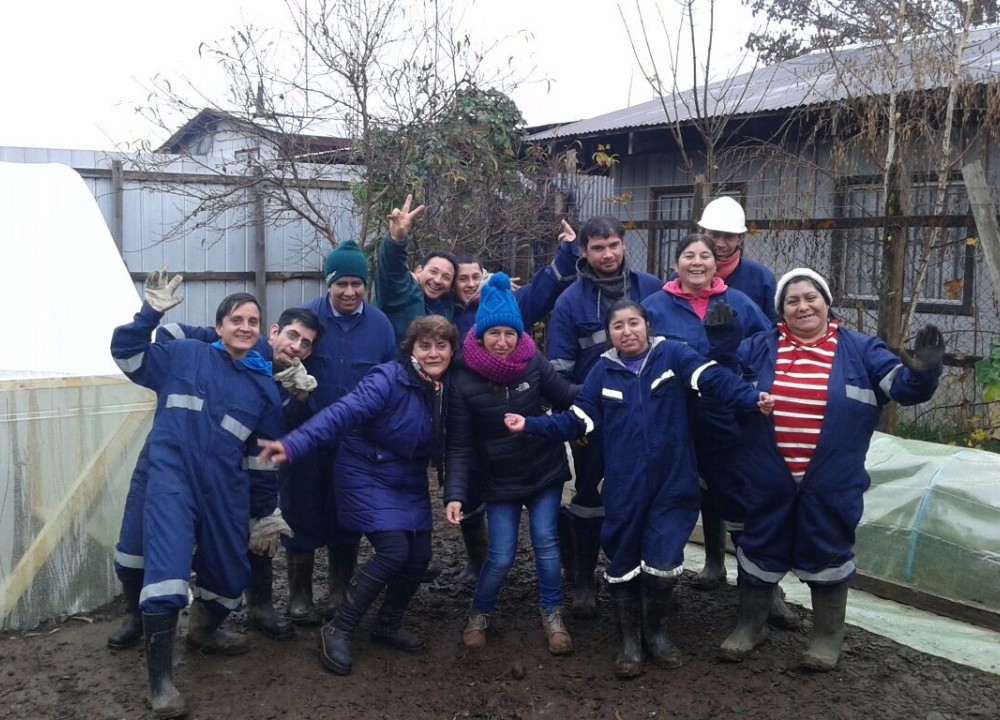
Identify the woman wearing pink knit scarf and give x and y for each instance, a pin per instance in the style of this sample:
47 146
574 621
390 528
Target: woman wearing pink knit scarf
501 371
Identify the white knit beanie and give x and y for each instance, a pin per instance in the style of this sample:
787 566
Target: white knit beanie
801 272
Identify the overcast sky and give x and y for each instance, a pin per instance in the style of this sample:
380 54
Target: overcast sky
73 70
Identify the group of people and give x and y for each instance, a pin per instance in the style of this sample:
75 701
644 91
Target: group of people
720 391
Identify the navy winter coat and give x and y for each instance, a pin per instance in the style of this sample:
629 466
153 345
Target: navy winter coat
575 334
757 283
509 467
385 430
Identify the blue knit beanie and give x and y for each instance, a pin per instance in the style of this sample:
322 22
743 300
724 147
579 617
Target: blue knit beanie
345 260
497 306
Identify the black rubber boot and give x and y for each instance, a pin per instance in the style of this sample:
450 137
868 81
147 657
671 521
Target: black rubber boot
387 629
205 633
628 616
587 541
335 636
164 699
751 623
342 561
129 633
301 609
567 546
261 614
657 593
477 544
780 615
829 612
713 575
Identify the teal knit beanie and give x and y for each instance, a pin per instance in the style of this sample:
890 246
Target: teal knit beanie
497 306
345 260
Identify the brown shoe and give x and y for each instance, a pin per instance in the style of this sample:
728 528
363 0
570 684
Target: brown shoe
474 635
560 643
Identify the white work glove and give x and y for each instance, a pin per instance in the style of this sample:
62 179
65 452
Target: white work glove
295 379
159 291
265 532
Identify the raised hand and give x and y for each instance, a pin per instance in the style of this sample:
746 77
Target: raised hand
928 350
401 219
158 291
720 313
566 232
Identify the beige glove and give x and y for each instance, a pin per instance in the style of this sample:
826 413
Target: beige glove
159 291
265 533
295 379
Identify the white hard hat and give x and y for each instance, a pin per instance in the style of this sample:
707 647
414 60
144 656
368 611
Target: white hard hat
724 215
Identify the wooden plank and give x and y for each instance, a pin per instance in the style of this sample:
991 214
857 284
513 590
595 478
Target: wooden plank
985 212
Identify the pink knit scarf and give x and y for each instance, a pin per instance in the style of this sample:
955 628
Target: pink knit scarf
493 368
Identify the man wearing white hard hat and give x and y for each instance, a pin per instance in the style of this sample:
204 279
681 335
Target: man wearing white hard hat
724 221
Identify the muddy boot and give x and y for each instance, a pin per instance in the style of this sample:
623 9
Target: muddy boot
751 623
587 540
556 634
164 698
477 544
829 609
205 633
129 632
301 609
335 636
628 617
657 593
342 561
714 532
387 629
261 614
567 551
780 615
474 635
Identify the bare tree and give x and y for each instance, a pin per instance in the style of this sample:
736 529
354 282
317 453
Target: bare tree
383 97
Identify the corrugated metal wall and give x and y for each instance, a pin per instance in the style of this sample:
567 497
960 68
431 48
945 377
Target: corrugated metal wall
149 215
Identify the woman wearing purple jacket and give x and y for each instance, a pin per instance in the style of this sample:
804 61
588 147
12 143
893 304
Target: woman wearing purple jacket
389 428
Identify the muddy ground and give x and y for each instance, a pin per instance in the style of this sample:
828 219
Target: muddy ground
63 670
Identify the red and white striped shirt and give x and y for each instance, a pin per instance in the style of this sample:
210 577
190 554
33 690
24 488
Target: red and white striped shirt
801 377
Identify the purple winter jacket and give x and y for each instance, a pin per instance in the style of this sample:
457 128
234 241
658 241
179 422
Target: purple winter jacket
385 428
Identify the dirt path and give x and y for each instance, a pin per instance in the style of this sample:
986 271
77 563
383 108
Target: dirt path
65 671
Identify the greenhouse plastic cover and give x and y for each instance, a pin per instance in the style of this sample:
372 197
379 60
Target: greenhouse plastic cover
71 425
932 519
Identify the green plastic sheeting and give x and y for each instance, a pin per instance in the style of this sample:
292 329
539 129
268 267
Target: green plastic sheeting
932 519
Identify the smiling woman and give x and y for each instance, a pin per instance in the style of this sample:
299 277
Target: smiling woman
389 429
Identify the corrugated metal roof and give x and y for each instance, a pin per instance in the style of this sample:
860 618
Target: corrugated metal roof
812 79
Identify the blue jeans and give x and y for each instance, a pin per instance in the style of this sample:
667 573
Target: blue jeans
502 522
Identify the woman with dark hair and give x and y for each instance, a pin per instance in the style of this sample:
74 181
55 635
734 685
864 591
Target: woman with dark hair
638 392
807 466
389 428
678 313
501 371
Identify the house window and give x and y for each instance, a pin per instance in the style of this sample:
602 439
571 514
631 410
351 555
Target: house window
671 206
672 217
947 286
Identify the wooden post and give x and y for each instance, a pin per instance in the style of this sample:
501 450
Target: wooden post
988 232
985 213
260 252
117 204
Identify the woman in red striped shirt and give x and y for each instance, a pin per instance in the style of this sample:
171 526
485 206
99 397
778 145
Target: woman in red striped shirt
804 495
